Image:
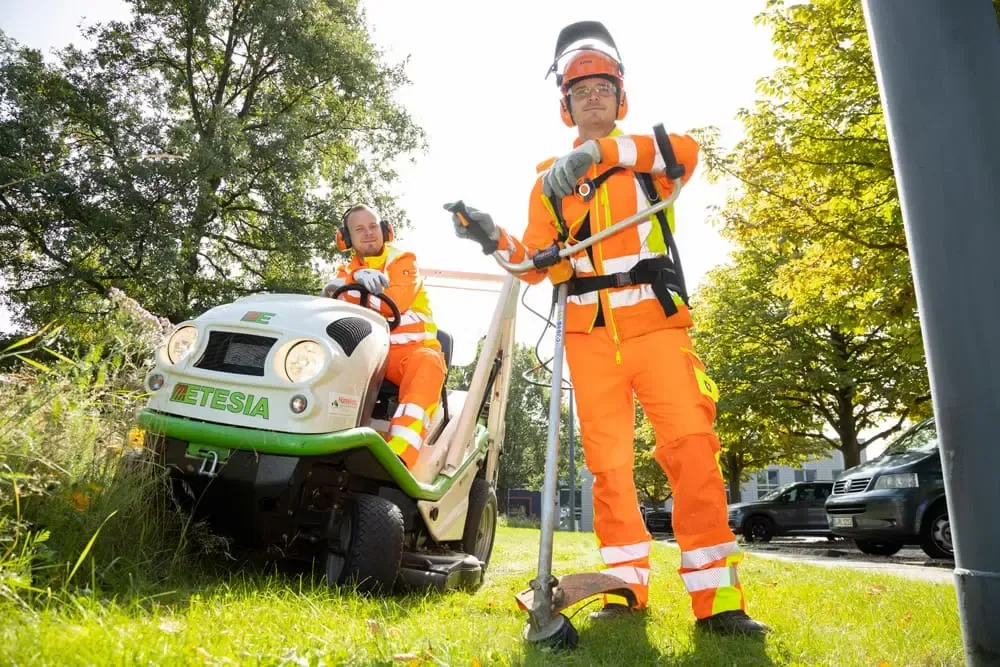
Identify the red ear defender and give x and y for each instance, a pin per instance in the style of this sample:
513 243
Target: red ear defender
622 104
342 244
388 233
564 113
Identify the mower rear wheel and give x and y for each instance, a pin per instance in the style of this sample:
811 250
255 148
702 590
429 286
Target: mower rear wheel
366 544
480 522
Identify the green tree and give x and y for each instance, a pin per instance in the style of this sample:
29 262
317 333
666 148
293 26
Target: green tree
651 482
815 173
200 151
826 328
522 462
786 384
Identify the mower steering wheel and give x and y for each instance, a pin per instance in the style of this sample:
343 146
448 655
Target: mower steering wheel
365 298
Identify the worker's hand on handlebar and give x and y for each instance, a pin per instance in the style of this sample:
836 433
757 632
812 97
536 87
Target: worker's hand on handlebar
332 287
560 180
476 217
373 281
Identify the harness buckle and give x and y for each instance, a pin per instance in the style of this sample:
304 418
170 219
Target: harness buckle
623 279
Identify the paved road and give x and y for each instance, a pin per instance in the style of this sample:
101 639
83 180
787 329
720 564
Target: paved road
909 563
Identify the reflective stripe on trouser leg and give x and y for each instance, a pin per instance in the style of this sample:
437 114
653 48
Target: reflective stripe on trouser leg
419 372
406 433
672 387
709 552
621 533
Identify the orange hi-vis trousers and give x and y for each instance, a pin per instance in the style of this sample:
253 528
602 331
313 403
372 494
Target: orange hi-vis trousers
670 383
419 372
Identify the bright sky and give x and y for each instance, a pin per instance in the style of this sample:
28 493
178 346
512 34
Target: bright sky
478 90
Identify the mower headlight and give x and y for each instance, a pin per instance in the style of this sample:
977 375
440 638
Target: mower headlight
304 361
906 480
181 343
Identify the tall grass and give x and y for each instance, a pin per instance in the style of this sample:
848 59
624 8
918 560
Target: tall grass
82 509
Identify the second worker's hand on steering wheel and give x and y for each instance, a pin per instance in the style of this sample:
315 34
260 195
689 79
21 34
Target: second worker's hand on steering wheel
365 297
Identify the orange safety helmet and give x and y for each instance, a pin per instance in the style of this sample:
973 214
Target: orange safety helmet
589 60
588 63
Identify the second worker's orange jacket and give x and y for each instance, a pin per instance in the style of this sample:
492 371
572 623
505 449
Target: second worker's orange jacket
628 311
406 289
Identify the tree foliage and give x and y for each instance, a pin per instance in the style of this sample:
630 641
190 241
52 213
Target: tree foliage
812 332
522 462
651 483
790 389
200 151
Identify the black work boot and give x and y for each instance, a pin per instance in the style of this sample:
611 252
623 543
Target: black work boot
611 611
732 623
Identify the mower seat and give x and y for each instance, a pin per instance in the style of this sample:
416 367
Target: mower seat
389 389
387 397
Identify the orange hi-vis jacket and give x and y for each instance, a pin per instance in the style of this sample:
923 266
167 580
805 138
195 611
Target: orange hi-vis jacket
628 311
406 289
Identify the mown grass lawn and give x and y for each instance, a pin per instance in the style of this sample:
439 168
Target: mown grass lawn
820 617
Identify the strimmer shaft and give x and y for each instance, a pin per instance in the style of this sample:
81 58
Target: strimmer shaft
544 583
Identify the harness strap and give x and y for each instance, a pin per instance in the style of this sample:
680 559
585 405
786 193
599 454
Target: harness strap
649 190
586 190
658 272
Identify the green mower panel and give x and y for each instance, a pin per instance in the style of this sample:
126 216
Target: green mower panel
307 444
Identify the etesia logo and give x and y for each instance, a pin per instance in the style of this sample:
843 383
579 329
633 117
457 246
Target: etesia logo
220 399
257 318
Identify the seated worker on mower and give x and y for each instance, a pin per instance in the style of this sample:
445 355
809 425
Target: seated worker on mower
416 363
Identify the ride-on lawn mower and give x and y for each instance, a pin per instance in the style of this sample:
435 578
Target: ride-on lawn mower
267 413
548 595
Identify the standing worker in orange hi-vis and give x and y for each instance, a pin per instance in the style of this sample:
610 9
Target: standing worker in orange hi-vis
416 363
627 325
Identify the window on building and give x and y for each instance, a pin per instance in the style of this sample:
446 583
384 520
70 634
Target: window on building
806 475
767 481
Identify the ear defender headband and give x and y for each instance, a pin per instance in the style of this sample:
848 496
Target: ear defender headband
344 234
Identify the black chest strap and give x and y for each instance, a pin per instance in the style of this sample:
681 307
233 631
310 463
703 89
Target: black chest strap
663 273
657 272
653 196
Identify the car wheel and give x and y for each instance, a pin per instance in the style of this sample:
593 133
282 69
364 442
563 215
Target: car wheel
758 529
876 548
365 544
935 538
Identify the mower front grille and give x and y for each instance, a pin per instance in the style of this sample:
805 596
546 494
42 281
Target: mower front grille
239 353
349 332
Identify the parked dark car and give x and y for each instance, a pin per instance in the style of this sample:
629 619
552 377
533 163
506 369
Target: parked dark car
895 499
793 509
658 521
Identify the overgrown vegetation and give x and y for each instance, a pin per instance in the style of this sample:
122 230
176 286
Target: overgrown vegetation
80 508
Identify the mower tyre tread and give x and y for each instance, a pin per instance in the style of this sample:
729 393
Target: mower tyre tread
482 498
376 548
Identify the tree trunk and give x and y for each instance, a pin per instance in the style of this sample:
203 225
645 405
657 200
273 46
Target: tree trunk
847 429
734 473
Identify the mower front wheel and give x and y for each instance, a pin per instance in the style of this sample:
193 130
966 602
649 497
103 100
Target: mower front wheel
365 544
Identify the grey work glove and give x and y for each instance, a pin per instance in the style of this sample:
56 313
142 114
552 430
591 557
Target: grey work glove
332 287
480 227
373 281
560 180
